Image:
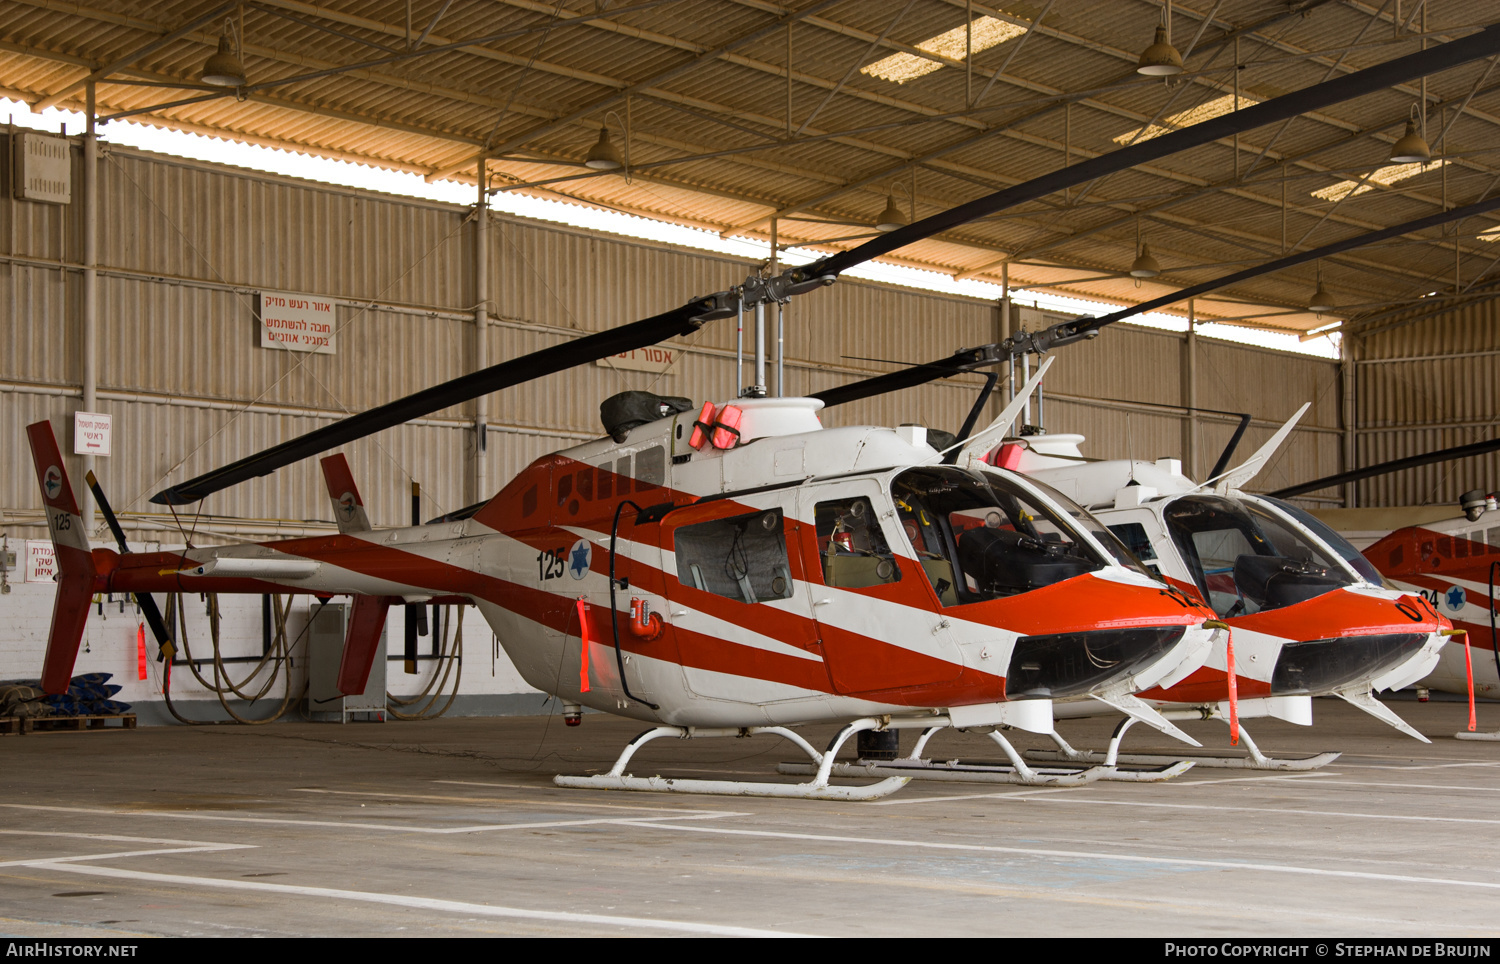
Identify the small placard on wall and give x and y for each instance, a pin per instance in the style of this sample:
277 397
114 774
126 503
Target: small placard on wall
653 359
92 433
41 561
294 322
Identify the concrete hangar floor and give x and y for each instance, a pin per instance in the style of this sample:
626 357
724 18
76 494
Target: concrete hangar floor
453 827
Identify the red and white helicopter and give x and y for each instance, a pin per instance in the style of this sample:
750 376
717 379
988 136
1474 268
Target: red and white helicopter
1309 613
768 572
1450 557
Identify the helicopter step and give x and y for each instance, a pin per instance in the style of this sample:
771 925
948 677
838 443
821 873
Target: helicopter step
816 789
1255 761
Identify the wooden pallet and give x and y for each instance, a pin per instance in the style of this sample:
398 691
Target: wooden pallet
73 724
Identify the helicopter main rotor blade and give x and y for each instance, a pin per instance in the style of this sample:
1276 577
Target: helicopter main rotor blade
548 361
1067 332
1394 465
1084 325
963 360
1380 77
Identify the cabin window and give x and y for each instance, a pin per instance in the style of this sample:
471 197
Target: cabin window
606 480
651 468
622 471
1495 540
851 546
741 558
1133 534
564 489
586 483
528 501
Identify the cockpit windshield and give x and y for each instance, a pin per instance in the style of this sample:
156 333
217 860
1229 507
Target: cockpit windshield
981 536
1336 542
1246 559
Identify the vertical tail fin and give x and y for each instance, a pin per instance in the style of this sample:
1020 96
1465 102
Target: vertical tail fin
75 564
348 507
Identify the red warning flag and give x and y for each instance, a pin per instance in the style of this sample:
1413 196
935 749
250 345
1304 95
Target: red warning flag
1234 691
140 651
583 650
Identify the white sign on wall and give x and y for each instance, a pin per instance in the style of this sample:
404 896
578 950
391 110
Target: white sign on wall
92 433
295 322
41 561
654 359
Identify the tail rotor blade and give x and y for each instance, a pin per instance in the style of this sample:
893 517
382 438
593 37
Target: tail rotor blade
147 603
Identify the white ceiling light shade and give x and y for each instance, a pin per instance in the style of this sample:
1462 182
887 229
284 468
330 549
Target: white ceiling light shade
223 69
891 218
1411 148
1321 301
1161 59
603 156
1144 265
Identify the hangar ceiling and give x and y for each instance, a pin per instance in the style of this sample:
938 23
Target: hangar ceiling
816 115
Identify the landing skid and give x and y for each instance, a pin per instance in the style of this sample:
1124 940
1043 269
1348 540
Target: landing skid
1158 768
912 766
816 789
1255 761
1487 737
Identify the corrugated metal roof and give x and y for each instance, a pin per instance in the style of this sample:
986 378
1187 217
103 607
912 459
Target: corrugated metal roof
531 81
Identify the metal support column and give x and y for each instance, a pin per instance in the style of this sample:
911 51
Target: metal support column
1349 411
481 333
89 336
1190 377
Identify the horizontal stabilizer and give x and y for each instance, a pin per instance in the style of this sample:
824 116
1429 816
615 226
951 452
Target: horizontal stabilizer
348 507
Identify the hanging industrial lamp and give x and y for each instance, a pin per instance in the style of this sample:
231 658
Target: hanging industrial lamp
891 218
223 69
1411 148
603 156
1161 59
1144 265
1321 300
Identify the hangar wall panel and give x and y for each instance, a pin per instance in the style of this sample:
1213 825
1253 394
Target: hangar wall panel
1429 384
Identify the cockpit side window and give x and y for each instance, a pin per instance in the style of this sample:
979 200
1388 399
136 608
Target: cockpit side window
980 537
742 557
851 546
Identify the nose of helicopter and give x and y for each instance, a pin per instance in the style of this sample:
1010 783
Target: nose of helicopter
1094 631
1064 665
1342 637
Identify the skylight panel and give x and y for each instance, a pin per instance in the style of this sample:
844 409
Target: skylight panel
1207 110
1385 177
900 68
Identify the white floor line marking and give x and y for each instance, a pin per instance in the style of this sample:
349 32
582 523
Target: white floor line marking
1414 786
119 838
394 828
558 803
1080 855
1051 791
1278 811
493 800
1411 766
210 848
1262 778
420 903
